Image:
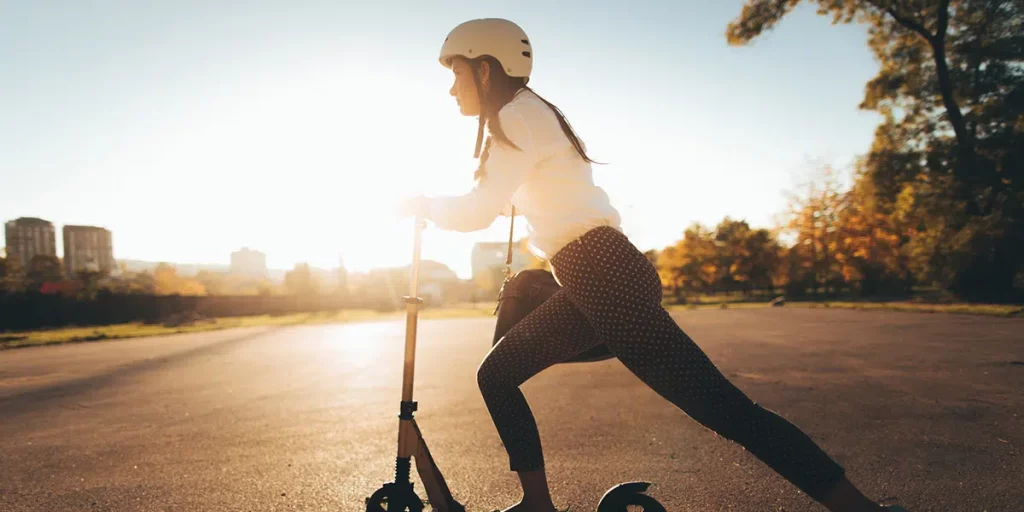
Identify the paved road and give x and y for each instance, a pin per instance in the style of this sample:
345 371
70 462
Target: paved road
923 408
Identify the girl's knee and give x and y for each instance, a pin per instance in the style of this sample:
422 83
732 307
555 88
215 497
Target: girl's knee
489 377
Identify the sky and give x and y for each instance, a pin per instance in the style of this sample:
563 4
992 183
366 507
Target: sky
191 129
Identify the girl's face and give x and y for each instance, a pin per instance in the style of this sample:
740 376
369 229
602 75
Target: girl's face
464 89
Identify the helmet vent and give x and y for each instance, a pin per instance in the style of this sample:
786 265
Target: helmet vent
526 54
525 41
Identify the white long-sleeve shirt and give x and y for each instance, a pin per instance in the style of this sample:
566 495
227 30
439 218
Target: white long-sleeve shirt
546 179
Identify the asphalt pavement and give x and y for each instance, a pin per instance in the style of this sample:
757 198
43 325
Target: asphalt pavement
923 409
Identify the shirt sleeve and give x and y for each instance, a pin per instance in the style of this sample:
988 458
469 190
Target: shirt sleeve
507 169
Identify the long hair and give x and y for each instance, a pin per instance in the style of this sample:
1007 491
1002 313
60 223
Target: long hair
501 91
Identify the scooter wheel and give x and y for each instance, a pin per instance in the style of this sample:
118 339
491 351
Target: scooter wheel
645 503
394 499
627 497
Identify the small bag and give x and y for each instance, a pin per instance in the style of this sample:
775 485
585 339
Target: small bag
524 292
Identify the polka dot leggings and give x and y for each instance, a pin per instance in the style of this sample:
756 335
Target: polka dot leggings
611 293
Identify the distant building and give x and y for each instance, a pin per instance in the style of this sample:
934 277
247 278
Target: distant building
28 236
88 248
249 262
488 256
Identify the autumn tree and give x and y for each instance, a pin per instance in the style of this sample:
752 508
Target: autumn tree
669 264
301 281
11 275
651 255
215 283
90 280
691 266
166 281
812 220
950 152
870 254
732 257
747 258
763 256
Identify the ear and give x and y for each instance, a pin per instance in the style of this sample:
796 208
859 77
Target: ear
485 73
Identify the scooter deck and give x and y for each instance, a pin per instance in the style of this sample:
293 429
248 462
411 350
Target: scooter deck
616 499
440 496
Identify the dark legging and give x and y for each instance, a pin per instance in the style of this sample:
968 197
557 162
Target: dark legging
611 293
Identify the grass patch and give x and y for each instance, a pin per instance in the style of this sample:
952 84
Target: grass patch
137 330
484 309
999 310
719 305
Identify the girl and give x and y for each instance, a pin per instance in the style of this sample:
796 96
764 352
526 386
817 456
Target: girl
611 293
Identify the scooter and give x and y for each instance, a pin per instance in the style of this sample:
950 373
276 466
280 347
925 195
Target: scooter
399 496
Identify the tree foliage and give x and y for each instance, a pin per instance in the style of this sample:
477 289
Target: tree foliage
731 258
10 275
166 281
946 168
43 269
301 281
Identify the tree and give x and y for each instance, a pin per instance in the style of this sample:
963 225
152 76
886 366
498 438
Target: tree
129 282
300 281
870 252
764 255
732 257
812 219
43 269
651 255
166 281
897 27
11 275
692 264
214 283
669 265
951 149
735 257
90 280
141 282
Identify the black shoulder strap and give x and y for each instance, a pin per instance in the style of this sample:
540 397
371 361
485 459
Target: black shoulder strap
508 259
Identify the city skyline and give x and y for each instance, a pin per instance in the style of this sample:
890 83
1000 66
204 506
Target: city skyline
240 261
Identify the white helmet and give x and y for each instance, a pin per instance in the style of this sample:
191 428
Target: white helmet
496 37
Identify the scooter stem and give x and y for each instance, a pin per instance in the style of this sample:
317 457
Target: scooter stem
412 303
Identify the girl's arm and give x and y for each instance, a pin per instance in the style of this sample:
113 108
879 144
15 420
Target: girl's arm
507 169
